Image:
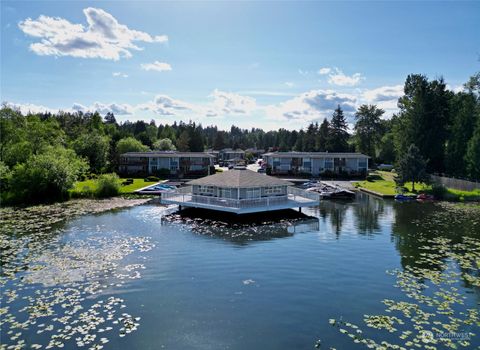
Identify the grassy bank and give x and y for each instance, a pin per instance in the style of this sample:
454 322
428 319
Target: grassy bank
87 188
382 182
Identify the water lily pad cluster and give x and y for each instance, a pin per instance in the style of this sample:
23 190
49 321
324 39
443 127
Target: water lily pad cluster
58 292
434 307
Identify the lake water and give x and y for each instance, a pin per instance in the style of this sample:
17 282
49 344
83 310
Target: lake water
183 282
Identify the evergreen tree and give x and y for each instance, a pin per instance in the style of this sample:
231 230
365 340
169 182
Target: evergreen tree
309 143
423 120
461 131
472 157
323 136
299 147
338 140
219 141
183 141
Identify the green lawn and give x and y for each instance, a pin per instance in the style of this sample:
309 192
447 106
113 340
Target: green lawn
81 186
386 185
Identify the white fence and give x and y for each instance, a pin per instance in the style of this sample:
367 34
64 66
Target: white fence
457 184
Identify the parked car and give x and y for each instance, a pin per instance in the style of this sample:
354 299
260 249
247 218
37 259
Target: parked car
387 167
262 170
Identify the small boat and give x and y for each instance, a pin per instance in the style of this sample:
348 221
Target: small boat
425 197
404 197
342 194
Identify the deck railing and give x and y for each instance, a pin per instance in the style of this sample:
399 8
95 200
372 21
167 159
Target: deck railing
185 195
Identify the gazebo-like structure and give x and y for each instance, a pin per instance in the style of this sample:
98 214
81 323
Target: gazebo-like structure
240 191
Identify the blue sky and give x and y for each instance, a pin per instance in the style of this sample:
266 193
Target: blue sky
253 64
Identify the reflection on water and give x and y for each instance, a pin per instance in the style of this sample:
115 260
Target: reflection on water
242 229
206 280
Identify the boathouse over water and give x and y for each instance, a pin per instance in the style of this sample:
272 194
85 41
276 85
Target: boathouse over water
241 191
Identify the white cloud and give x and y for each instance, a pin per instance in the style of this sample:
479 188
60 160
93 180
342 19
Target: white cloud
120 74
166 106
312 105
289 84
325 70
27 108
157 66
385 97
337 77
232 103
103 37
383 93
115 108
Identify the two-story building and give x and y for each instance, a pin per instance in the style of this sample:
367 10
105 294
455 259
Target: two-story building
166 163
316 163
228 156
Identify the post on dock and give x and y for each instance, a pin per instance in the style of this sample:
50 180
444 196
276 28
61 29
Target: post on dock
299 209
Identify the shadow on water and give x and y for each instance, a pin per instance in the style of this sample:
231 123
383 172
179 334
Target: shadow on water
242 229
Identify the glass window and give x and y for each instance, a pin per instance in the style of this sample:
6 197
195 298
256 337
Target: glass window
253 193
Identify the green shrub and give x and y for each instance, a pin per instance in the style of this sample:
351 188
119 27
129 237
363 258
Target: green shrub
439 191
373 177
108 185
163 172
46 177
151 179
219 170
85 192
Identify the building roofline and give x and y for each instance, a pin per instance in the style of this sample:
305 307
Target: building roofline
315 154
167 154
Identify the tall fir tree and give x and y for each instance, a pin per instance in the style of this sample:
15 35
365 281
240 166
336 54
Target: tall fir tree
338 140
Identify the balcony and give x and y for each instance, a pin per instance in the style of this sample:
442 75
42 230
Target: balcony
295 198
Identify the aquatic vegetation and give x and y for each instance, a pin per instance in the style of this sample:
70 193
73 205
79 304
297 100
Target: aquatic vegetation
433 314
58 289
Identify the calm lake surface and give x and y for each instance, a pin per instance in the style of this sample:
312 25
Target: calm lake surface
186 283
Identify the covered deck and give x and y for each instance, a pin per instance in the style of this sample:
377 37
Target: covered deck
294 198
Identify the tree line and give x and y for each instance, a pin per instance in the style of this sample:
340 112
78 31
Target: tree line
46 152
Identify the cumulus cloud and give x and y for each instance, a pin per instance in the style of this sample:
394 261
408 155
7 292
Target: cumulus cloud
337 77
157 66
385 97
312 105
27 108
166 106
115 108
103 37
120 74
232 103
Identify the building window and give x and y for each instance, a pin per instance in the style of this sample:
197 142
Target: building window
273 191
225 192
253 193
206 190
362 163
328 163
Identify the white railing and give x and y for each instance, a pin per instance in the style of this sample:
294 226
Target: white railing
185 195
294 191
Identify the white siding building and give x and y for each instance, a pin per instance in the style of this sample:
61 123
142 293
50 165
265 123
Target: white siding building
316 163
